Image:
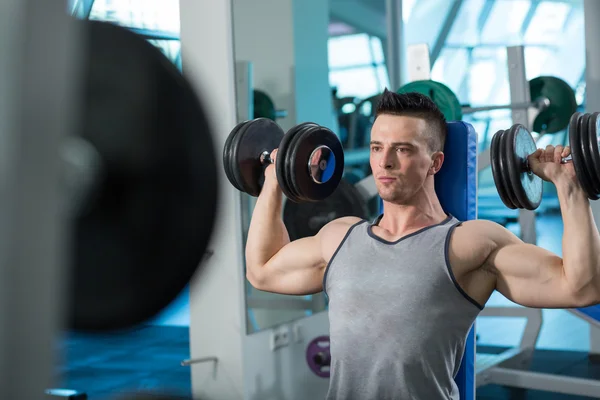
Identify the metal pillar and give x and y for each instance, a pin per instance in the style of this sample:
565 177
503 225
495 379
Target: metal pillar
395 40
519 93
37 108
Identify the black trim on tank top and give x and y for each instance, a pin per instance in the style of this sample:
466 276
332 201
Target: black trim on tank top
336 252
447 257
382 240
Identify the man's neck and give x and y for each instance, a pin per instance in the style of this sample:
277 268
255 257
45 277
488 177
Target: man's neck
399 218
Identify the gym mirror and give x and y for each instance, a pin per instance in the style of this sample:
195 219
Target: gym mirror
290 58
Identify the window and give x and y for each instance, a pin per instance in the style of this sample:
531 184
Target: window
505 21
349 51
451 68
357 65
473 61
465 29
153 19
548 22
158 15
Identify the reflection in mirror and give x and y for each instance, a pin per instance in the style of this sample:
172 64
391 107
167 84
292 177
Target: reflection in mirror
304 61
282 74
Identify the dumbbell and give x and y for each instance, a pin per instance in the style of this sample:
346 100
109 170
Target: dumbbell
309 163
518 187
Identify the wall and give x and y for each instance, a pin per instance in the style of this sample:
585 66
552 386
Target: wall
313 93
264 35
283 374
216 296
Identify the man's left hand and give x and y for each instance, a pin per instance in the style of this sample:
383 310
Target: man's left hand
547 164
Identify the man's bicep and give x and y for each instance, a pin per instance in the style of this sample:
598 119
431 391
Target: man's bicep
531 276
296 269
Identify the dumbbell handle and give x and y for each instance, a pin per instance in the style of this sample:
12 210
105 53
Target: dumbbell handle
540 104
265 158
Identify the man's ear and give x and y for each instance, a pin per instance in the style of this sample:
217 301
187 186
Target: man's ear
437 159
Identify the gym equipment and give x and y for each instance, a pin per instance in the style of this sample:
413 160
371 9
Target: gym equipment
518 187
309 164
353 175
318 356
307 219
551 96
264 107
357 157
583 139
441 95
141 236
558 103
247 152
511 367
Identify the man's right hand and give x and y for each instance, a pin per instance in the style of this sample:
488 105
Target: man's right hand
270 173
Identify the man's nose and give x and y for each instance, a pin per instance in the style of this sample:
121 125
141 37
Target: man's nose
387 160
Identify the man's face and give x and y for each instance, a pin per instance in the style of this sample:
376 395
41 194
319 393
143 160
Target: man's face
400 158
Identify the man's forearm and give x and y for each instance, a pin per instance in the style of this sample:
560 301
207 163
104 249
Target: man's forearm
581 241
267 233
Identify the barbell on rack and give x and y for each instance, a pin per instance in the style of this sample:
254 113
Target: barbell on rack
518 187
552 97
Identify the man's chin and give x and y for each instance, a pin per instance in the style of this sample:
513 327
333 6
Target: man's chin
391 197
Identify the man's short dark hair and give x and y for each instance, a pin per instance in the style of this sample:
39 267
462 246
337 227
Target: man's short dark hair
419 106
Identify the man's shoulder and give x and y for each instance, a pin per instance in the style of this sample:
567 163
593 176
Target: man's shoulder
479 227
339 227
474 240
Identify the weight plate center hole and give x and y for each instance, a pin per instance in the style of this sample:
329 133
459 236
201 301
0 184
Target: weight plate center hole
321 164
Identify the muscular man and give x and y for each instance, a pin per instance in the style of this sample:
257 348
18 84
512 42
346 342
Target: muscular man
404 290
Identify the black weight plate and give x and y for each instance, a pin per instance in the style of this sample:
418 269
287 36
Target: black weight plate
307 218
504 153
578 160
584 178
527 186
254 138
497 172
282 157
228 157
593 129
587 156
290 162
287 167
234 165
143 238
331 164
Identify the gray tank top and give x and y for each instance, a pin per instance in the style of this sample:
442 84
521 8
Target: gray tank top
398 318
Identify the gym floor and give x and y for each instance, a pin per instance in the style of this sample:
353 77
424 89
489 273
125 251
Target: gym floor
148 359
